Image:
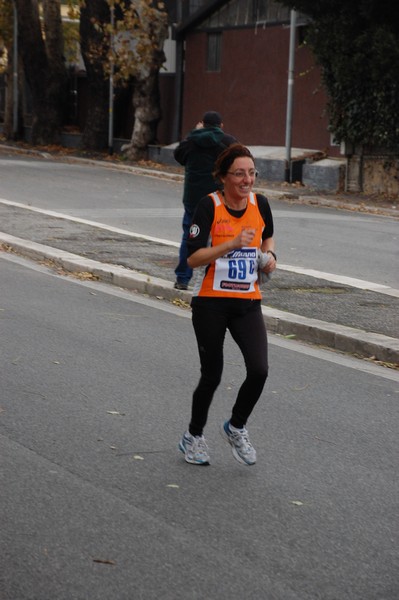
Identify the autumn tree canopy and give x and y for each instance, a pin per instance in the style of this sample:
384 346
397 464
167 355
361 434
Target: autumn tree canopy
124 37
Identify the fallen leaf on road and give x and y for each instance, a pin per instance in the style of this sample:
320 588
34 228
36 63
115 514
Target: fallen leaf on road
115 412
103 561
85 275
297 502
180 303
138 457
173 485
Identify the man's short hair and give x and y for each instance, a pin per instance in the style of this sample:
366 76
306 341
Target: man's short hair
212 118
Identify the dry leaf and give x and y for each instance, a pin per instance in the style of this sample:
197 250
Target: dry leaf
180 303
104 561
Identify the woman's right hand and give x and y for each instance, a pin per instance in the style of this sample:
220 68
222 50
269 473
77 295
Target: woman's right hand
244 238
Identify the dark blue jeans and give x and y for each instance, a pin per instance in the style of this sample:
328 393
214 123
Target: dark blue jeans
183 272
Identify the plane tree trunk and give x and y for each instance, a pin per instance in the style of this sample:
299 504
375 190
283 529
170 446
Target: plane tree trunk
44 67
94 48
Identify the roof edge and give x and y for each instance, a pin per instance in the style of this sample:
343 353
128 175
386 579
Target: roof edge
200 15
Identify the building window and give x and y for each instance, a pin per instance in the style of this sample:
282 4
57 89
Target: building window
214 48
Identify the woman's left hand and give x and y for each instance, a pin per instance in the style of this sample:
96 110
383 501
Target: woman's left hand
271 264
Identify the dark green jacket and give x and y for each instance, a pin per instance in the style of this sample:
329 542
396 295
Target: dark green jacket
198 153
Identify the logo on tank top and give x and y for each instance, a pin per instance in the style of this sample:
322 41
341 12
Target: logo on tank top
194 231
223 229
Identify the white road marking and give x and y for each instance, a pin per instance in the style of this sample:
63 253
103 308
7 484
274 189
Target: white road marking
344 280
58 215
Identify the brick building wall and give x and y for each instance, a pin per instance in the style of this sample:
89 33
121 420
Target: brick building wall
250 90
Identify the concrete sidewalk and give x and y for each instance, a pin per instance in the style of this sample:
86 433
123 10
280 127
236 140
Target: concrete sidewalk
317 311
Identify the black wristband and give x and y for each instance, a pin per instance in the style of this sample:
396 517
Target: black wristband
272 253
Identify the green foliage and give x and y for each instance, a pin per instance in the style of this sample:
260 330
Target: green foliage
356 43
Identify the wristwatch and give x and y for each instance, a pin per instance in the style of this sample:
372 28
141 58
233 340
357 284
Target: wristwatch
272 253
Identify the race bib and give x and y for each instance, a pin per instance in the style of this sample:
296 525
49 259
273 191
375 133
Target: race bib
237 271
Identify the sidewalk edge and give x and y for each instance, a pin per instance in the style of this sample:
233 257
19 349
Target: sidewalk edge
314 331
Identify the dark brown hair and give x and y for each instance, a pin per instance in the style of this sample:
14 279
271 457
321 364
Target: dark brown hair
227 157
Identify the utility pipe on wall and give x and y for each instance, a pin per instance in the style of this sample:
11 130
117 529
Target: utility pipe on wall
176 129
15 75
111 87
290 95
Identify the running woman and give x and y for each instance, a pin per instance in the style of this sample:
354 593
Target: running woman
230 243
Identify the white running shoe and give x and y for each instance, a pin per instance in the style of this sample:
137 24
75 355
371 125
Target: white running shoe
241 447
194 448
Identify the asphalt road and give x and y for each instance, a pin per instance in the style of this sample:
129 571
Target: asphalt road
356 245
98 503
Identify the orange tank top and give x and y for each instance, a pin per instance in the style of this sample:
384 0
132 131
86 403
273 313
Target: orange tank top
234 275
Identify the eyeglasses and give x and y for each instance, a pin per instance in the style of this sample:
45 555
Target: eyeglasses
241 174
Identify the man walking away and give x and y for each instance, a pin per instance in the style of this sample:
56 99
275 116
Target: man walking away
198 153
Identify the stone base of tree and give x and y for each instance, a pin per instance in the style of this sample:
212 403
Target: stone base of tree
373 173
381 175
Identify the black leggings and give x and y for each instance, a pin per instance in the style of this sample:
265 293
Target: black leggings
245 322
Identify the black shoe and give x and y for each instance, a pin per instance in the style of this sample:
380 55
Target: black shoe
181 286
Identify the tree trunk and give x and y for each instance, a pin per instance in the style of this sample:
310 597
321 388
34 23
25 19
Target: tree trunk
146 97
147 114
54 43
94 49
46 77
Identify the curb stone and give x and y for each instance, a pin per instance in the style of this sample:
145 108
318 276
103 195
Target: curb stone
334 336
